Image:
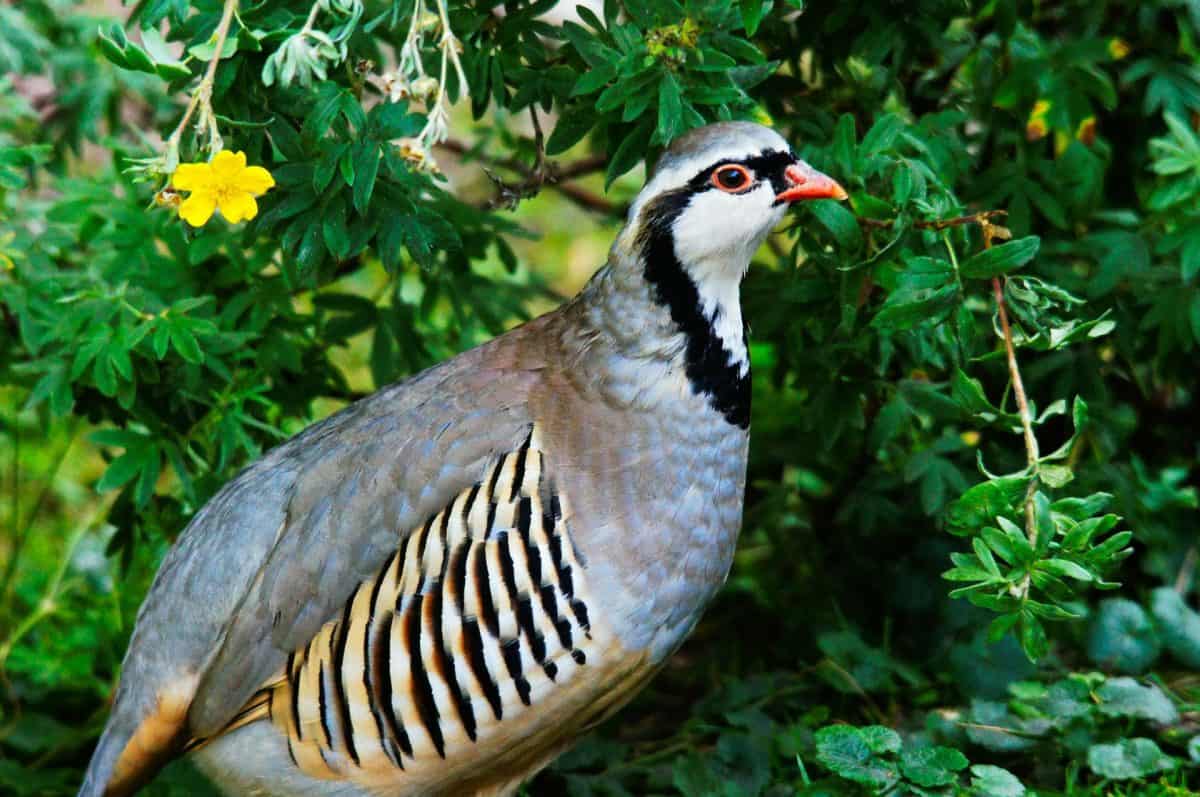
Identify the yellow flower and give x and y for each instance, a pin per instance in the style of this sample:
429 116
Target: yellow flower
1035 126
226 184
1118 48
1086 132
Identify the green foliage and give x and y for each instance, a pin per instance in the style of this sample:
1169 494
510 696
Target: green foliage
1020 175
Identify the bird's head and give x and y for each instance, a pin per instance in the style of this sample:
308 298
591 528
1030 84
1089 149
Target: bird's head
715 194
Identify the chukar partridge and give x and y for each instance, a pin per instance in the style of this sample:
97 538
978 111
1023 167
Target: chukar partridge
438 589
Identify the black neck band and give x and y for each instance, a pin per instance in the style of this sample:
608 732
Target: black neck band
712 370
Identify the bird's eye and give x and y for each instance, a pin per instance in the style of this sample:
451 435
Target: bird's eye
732 178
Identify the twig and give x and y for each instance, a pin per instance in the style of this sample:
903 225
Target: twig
22 528
553 176
935 224
1183 581
1031 444
203 93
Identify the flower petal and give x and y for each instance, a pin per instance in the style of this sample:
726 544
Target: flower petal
227 166
238 206
256 180
197 209
192 177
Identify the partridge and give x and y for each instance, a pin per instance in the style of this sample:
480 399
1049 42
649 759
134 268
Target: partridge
438 589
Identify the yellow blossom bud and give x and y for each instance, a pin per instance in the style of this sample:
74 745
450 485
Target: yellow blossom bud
1118 48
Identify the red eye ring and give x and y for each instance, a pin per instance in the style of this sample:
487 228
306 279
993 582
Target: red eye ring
732 178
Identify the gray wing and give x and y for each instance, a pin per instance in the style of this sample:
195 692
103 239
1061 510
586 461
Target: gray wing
358 486
279 549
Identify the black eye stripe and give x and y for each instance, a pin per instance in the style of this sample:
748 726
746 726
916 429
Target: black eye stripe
767 166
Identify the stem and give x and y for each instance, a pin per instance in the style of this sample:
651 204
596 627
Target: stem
555 177
1031 445
203 92
936 224
47 605
1183 581
22 530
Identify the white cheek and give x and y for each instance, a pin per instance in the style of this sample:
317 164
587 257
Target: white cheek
727 228
715 237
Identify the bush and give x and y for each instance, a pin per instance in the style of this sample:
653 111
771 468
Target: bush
974 385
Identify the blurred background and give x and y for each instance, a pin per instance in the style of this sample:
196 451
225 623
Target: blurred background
143 362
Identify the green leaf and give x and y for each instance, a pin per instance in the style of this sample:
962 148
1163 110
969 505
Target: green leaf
881 739
1033 638
574 123
985 501
594 79
1122 637
992 781
366 169
752 14
834 217
905 309
1066 568
932 766
628 152
845 751
1128 759
1000 259
1178 625
882 134
1125 697
670 109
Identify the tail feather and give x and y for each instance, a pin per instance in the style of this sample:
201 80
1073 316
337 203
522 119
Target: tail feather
138 741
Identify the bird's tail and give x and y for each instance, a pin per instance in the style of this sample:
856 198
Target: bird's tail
138 741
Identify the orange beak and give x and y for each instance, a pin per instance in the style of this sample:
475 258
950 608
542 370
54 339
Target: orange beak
805 182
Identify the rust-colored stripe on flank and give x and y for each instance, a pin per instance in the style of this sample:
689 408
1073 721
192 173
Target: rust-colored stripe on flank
473 641
494 478
457 580
511 651
522 604
422 541
444 664
422 690
381 679
532 555
561 624
469 504
581 614
519 472
293 670
337 649
322 707
487 607
561 568
385 740
493 481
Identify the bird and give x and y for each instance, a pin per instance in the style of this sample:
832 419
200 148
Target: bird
438 589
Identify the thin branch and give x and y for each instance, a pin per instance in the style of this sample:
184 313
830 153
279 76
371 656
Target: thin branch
1031 444
551 175
203 93
1183 581
935 224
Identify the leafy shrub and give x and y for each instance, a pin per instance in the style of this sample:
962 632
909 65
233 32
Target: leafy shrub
975 383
